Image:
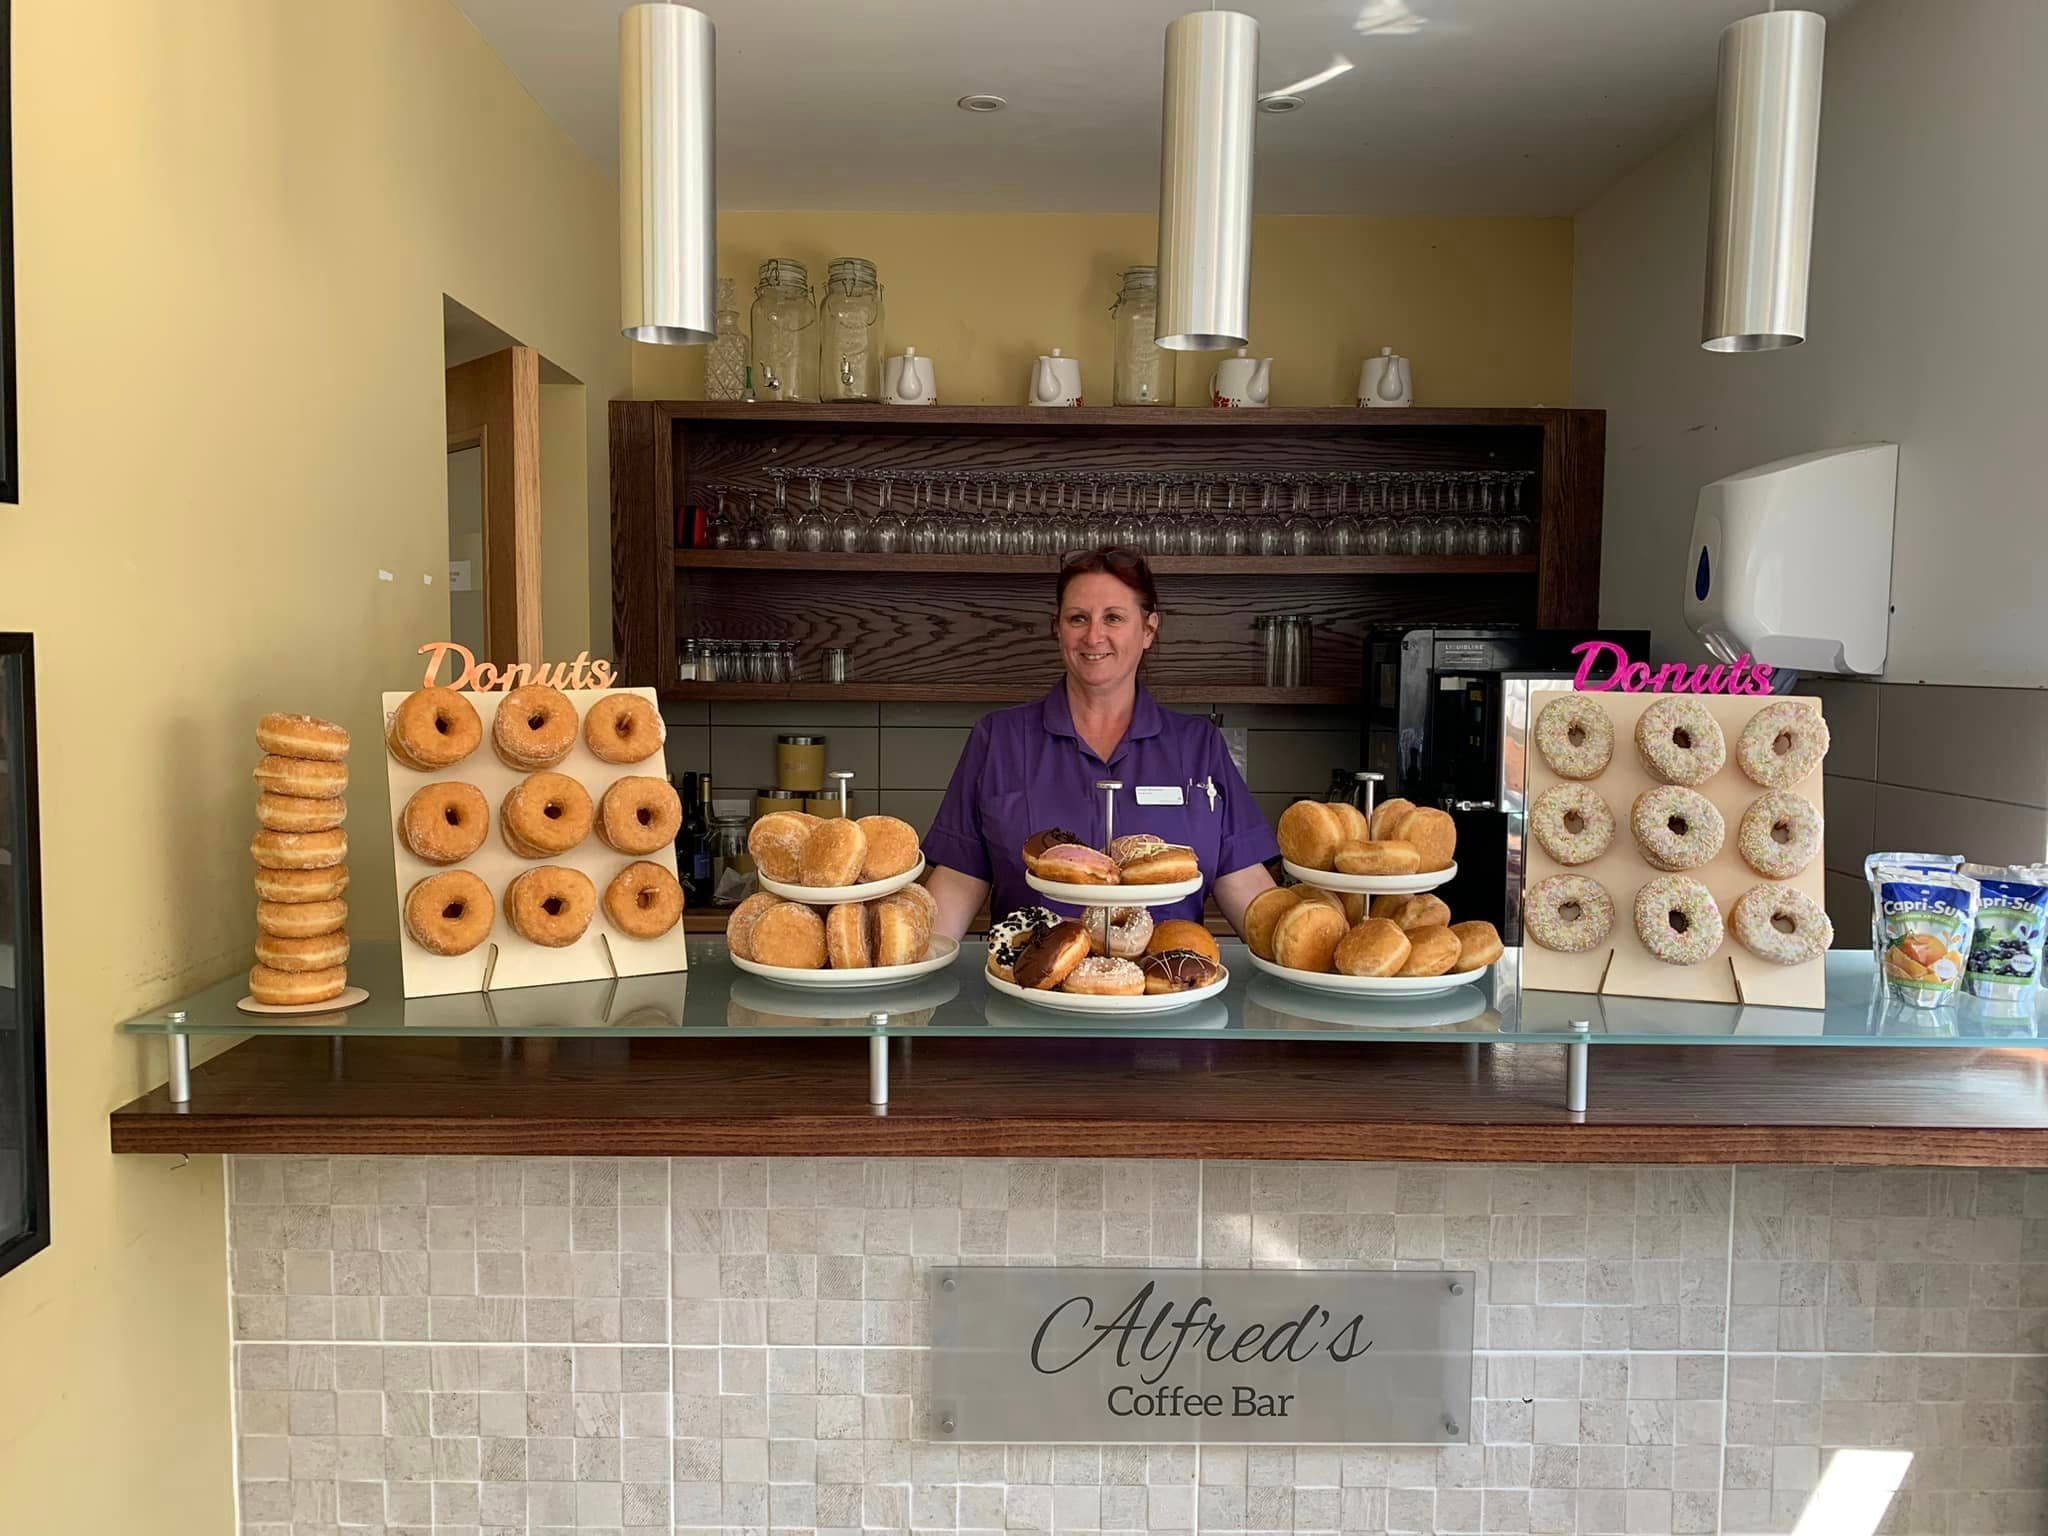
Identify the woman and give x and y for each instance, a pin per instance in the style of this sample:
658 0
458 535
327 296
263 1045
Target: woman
1035 767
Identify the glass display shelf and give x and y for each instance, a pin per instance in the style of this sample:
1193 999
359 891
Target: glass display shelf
714 998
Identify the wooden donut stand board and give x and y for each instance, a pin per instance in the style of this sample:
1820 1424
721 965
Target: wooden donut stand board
506 960
1622 966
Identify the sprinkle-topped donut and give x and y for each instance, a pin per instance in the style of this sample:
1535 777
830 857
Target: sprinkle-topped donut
1779 835
1782 744
1676 828
1575 736
1568 913
1680 741
1678 921
1572 823
1781 924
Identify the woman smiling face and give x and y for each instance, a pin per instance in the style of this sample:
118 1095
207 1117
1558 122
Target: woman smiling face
1104 630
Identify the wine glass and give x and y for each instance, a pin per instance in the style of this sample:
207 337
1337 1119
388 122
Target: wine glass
1271 534
779 532
814 526
1520 531
1304 534
1344 530
752 534
1415 534
849 528
887 534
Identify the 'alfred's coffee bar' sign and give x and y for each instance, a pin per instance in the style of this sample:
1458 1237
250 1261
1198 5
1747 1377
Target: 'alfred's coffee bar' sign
1290 1356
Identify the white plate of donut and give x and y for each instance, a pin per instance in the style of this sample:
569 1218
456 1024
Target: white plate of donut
826 980
834 895
1371 885
1371 986
1097 1002
1114 895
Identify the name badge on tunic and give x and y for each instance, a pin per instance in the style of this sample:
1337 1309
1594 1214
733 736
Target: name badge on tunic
1161 794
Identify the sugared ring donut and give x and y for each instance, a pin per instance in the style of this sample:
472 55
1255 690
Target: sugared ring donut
1575 736
302 778
1680 741
1572 823
543 815
299 850
1120 931
433 728
302 736
1781 924
449 914
1782 744
1568 913
643 900
296 813
1676 828
639 814
296 989
534 728
1779 835
1677 920
445 823
622 728
551 906
313 952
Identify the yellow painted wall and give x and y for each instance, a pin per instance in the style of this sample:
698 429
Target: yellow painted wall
236 220
1481 306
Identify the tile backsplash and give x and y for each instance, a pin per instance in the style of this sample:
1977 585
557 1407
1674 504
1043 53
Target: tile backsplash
481 1347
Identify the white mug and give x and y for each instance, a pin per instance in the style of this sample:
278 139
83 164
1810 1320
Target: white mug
1242 381
909 380
1384 380
1055 380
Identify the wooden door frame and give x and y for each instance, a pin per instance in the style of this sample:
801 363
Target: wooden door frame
502 392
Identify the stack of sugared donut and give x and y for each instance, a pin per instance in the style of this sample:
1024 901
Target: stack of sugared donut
301 855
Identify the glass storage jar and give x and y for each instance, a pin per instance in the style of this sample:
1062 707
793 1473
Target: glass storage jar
785 345
726 359
850 333
1141 370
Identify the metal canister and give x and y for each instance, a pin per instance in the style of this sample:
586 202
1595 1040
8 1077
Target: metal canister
800 763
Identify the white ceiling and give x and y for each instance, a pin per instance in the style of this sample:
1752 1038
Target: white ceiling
1455 106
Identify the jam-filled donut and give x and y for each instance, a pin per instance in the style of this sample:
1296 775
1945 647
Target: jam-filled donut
1040 843
551 906
1676 828
643 900
295 813
433 728
1781 924
299 850
450 913
444 823
1782 744
1572 823
535 728
892 847
543 815
1680 741
623 728
302 736
777 844
1120 931
1575 737
301 778
1568 913
1779 834
1678 920
639 814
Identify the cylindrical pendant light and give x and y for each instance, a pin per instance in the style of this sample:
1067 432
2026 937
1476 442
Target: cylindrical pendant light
668 204
1205 182
1766 146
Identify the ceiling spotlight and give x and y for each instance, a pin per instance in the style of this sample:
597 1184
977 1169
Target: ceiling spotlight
981 103
1280 101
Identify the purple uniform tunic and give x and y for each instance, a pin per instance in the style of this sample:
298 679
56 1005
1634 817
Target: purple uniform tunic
1027 769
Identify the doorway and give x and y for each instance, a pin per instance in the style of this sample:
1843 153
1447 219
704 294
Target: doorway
494 501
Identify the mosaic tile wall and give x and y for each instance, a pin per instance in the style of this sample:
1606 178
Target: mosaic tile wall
482 1347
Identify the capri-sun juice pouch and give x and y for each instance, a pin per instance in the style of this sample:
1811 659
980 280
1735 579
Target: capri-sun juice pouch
2005 945
1924 918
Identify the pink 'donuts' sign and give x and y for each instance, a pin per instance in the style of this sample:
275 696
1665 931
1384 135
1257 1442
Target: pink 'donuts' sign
1745 676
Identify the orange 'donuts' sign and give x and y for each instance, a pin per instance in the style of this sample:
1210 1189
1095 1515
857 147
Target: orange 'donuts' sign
485 677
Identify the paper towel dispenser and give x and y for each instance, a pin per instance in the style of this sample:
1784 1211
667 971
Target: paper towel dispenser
1791 561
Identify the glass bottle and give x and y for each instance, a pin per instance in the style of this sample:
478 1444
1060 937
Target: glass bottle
850 334
785 347
726 359
1141 370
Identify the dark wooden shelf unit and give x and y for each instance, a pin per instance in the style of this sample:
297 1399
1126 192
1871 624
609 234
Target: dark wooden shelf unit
990 693
939 627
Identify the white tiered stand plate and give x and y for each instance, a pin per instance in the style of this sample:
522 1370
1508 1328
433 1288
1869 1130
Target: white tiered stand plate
1370 885
1085 1002
834 895
943 950
1116 895
1371 986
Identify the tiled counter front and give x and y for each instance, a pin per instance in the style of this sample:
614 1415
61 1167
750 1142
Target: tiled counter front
485 1347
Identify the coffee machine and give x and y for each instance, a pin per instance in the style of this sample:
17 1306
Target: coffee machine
1436 728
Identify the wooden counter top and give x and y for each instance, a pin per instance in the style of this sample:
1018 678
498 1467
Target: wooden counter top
955 1097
